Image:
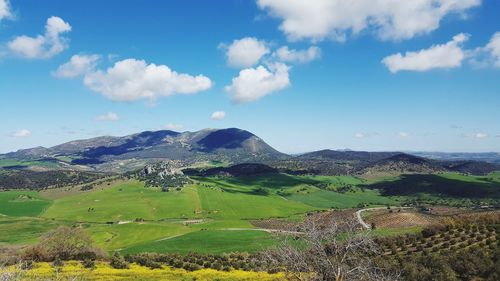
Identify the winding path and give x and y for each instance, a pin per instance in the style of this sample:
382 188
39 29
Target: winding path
363 223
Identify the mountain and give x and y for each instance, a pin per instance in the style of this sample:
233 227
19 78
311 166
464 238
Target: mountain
234 146
130 152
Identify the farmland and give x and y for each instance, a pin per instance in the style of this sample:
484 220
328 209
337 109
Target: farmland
210 215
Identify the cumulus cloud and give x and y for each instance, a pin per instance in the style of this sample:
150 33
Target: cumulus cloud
51 43
78 65
298 56
173 127
493 48
5 11
449 55
131 80
245 52
110 116
336 19
23 133
254 83
218 115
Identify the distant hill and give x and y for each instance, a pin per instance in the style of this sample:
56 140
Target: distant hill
471 167
130 152
489 157
233 146
347 155
247 169
401 164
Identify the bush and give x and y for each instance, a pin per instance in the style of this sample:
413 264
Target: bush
67 243
118 262
35 253
88 263
58 263
27 265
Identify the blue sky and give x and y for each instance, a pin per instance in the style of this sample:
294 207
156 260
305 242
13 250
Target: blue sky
79 69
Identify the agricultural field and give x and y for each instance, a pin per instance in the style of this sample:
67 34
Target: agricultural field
210 215
471 235
210 241
401 218
9 162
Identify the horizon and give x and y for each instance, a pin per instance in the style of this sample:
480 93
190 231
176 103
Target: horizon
289 153
378 80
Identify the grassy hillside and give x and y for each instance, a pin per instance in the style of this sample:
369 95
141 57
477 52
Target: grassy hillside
125 202
24 230
22 203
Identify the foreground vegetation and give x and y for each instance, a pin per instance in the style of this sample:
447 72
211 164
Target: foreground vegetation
74 270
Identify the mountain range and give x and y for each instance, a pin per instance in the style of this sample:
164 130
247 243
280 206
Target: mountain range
234 146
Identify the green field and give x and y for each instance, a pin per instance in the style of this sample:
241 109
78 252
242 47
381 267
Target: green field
210 241
22 203
24 230
212 215
115 237
7 162
125 202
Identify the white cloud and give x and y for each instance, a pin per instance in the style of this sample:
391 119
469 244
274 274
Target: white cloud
131 79
366 135
449 55
42 46
110 116
78 65
254 83
298 56
5 12
477 135
493 48
173 127
218 115
21 134
245 52
336 19
403 135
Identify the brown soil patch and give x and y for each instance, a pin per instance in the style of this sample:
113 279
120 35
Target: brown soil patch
386 219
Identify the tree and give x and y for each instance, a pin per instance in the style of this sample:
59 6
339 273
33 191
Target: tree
335 250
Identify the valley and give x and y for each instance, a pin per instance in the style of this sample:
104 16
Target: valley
221 197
